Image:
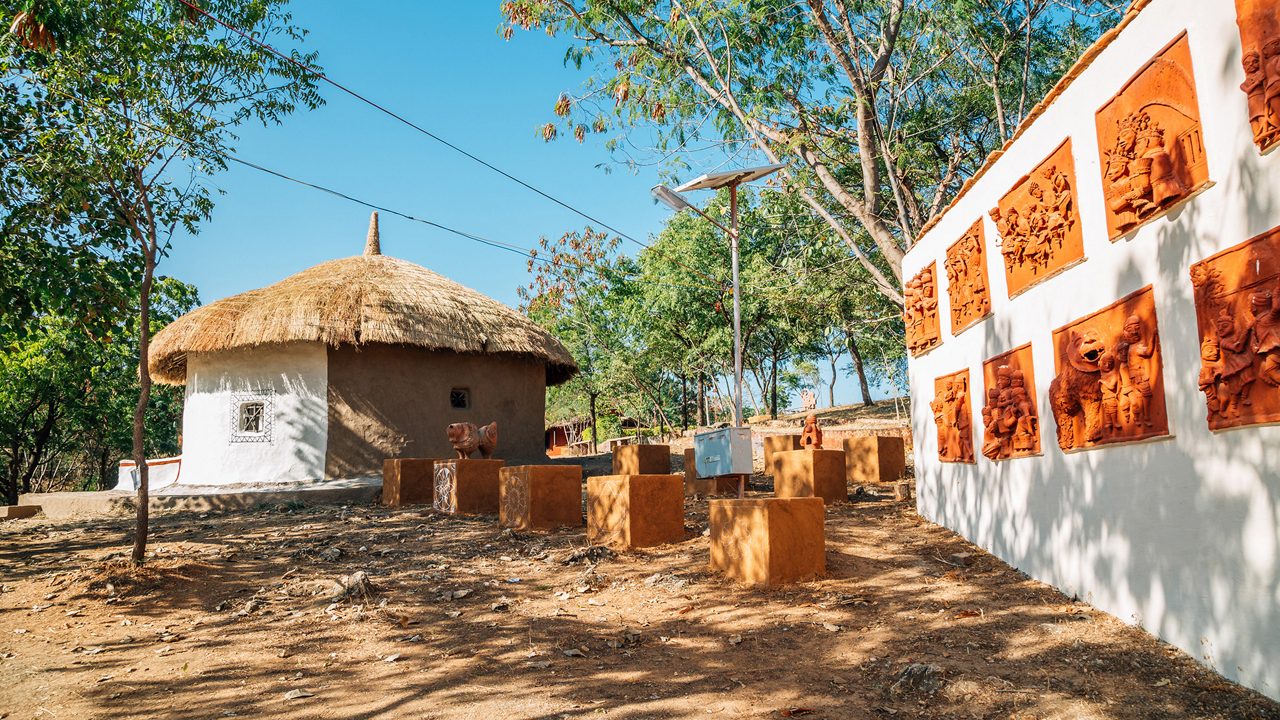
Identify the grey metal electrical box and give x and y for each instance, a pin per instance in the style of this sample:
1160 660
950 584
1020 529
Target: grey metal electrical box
726 451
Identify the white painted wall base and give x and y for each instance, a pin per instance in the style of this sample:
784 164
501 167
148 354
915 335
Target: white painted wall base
1180 535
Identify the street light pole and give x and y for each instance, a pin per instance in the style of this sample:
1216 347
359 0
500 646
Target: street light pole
737 308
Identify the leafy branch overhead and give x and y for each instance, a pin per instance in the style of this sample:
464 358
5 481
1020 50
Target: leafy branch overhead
880 109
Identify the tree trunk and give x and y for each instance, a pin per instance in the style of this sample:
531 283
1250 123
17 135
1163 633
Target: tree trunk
773 387
831 388
595 432
702 400
862 371
684 402
104 463
144 397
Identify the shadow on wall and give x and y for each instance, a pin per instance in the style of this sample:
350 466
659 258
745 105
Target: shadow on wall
1185 530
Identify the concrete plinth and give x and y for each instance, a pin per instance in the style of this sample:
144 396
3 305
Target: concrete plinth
810 473
18 512
540 496
775 444
874 459
467 486
634 511
642 460
768 541
408 481
695 486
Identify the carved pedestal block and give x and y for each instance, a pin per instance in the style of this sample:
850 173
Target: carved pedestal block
777 443
467 486
967 287
695 486
642 460
408 481
876 459
18 512
768 541
811 473
1237 293
541 497
1010 420
1109 386
634 511
1149 140
1259 22
953 418
920 311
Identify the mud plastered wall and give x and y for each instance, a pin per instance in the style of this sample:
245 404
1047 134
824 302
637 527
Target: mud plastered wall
1178 533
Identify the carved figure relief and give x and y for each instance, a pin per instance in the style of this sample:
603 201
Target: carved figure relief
811 436
1039 223
1010 422
967 289
921 311
445 480
953 417
1237 294
1109 386
1149 136
466 438
1259 22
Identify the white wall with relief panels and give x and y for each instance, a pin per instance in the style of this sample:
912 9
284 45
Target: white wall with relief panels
1181 534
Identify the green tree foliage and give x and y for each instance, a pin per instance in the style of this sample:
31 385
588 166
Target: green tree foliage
128 109
879 108
67 398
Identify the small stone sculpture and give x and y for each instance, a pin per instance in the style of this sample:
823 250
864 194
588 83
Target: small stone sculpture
466 438
1109 388
811 437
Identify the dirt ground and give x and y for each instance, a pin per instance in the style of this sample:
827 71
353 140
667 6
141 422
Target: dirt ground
265 615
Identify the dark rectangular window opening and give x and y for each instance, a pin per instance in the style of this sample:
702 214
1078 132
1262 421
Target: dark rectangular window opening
251 417
460 398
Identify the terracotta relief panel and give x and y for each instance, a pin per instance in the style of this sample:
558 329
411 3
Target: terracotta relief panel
1149 136
1237 295
953 417
1109 386
967 287
1259 22
1039 223
1011 425
921 312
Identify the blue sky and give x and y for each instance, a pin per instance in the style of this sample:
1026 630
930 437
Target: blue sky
443 66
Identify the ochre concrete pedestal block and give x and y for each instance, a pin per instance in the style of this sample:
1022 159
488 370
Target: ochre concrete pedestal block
542 497
642 460
634 511
774 444
810 473
18 512
768 541
695 486
467 486
408 481
874 459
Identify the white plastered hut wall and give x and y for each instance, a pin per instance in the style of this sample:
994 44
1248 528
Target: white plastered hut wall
1180 535
291 380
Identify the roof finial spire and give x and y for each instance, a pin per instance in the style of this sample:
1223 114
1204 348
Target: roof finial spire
372 244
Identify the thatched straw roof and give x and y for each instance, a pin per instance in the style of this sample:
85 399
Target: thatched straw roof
370 298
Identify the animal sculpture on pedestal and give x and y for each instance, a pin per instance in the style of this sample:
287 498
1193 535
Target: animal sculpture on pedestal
466 438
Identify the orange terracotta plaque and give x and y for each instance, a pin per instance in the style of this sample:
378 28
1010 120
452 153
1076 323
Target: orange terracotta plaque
1011 425
1259 22
1039 223
953 417
1109 386
921 311
967 288
1149 137
1237 296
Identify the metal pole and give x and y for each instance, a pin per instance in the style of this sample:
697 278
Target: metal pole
737 308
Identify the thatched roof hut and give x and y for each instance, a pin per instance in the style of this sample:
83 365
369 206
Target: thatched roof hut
369 298
328 372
